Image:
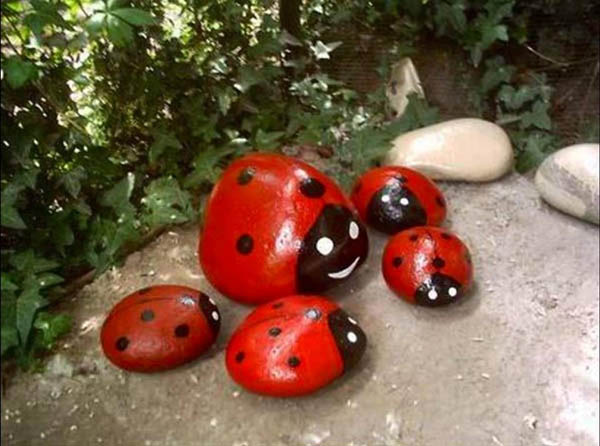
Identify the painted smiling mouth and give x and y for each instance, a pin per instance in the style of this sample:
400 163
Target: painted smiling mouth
342 274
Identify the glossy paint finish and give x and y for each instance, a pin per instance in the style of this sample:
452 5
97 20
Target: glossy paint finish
392 199
159 328
275 226
294 346
427 266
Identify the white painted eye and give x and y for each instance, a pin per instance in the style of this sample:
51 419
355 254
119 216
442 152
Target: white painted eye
404 201
452 291
215 315
353 230
352 337
324 245
385 198
433 295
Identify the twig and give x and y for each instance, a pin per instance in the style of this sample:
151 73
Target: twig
549 59
16 30
10 43
83 10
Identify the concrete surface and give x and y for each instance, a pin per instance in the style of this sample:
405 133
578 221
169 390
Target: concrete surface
516 364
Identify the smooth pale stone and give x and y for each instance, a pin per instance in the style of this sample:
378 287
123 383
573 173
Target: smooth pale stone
465 149
569 180
404 80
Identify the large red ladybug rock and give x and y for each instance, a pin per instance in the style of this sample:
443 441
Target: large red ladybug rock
294 346
427 266
392 199
275 226
160 327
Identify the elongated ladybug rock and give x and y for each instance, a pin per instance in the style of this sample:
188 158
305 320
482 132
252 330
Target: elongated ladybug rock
392 199
159 328
275 226
294 346
428 266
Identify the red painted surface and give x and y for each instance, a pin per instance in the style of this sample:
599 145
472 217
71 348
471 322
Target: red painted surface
428 194
409 262
287 347
146 331
270 208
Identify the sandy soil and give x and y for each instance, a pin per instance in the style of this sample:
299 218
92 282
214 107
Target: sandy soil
516 364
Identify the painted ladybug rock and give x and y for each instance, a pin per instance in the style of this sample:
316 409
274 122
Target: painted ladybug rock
392 199
160 327
276 226
294 346
428 266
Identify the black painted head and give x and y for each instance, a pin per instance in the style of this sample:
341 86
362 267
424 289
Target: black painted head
438 290
210 311
351 341
395 208
332 249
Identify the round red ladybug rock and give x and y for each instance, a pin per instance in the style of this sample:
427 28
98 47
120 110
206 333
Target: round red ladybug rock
294 346
275 226
160 327
428 266
392 199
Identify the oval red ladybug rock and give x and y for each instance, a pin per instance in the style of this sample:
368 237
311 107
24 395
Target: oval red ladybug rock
294 346
275 226
392 199
428 266
160 327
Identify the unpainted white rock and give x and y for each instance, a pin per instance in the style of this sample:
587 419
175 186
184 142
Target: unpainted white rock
404 80
466 149
569 180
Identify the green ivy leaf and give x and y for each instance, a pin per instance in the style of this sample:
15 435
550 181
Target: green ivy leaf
18 71
533 148
322 50
6 284
450 15
497 72
119 32
514 99
9 216
48 279
72 180
8 316
118 196
62 236
207 167
166 203
96 22
28 303
267 140
537 117
52 327
162 142
134 16
249 76
28 263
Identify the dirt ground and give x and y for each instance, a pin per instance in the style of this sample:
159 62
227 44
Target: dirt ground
516 364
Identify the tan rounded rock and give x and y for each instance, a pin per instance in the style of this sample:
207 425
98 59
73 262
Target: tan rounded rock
569 180
465 149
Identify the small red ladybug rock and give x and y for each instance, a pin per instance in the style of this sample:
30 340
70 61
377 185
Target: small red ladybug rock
427 265
160 327
294 346
392 199
275 226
